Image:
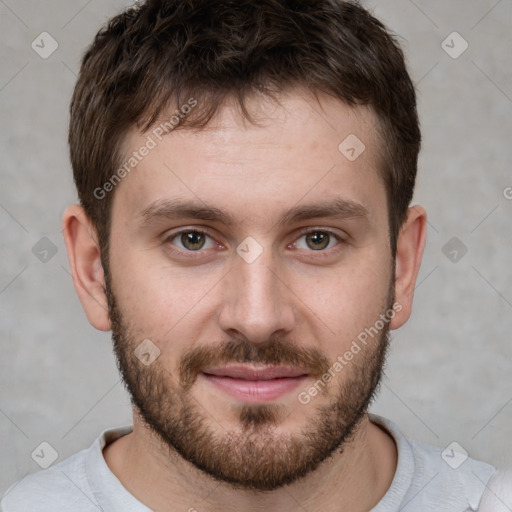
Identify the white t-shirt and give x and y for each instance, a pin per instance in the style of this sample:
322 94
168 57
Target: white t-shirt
423 482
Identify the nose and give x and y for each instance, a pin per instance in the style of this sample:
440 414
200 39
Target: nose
257 301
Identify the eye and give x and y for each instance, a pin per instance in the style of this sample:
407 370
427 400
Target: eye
317 241
192 240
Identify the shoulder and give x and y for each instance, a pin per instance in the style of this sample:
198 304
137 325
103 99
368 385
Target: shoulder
432 478
52 489
73 484
498 494
451 471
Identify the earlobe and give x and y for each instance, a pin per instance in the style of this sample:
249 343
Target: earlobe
411 242
85 264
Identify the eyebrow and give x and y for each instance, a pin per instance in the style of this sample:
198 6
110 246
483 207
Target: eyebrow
340 209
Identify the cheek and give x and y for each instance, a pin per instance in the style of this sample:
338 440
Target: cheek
343 302
158 301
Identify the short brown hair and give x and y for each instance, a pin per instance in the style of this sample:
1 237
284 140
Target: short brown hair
163 52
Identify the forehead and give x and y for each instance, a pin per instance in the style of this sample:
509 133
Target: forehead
301 147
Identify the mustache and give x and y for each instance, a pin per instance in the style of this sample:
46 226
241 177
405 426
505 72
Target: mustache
275 352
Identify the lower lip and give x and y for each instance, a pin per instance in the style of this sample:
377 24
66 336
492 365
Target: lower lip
255 391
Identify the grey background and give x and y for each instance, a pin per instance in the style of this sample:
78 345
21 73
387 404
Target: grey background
449 374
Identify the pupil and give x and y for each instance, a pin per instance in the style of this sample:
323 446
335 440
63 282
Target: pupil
317 241
192 240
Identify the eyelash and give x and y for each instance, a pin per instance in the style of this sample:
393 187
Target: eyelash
200 253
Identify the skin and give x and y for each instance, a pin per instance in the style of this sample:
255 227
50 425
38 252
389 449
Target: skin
318 299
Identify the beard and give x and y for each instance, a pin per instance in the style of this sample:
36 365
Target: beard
252 456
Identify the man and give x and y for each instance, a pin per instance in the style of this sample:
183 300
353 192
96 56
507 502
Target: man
245 171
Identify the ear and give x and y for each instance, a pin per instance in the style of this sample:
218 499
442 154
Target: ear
85 263
410 245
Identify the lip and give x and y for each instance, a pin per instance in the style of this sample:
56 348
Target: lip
246 372
251 384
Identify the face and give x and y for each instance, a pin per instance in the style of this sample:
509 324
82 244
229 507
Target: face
248 262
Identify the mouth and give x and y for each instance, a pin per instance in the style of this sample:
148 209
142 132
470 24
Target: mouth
252 384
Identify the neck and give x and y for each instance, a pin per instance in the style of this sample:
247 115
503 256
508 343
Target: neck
161 479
